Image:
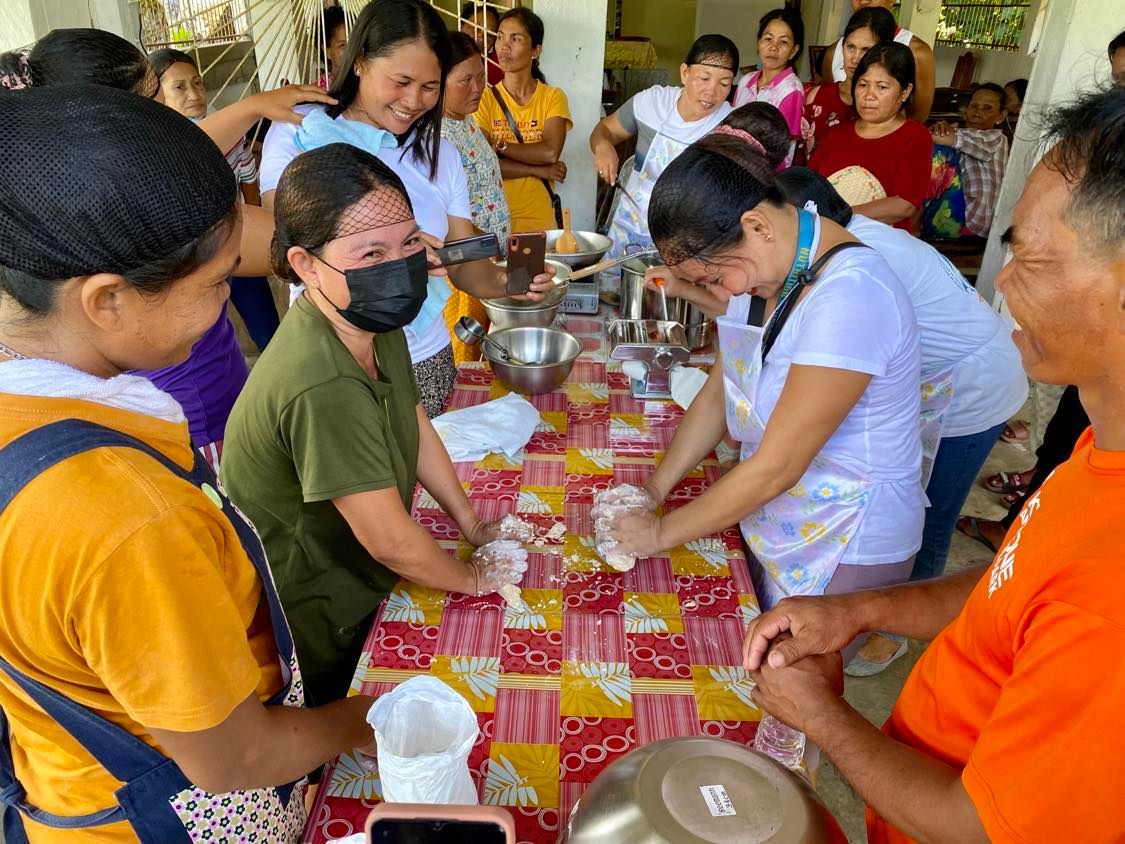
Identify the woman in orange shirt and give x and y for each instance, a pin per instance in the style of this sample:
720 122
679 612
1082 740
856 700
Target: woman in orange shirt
147 676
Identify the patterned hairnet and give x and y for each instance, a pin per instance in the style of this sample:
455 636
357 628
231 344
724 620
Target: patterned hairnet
699 199
94 179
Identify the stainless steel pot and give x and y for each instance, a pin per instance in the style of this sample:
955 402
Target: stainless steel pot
637 302
696 790
514 313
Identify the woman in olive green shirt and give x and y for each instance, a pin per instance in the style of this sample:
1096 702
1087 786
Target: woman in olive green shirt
328 438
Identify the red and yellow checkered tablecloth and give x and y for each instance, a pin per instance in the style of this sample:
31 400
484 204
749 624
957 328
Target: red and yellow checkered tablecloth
602 662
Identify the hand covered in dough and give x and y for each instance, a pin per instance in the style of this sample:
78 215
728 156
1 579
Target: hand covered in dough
610 508
498 564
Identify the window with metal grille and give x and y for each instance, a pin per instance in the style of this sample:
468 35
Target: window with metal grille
183 23
975 23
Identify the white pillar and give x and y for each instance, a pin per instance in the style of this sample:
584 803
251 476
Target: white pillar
116 16
573 58
1071 58
17 28
921 17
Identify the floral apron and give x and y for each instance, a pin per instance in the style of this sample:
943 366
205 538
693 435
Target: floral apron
799 537
158 802
630 221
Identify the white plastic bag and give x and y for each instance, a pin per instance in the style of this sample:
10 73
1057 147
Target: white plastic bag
424 731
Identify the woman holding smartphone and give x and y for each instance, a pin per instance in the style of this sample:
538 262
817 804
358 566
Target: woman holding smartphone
389 93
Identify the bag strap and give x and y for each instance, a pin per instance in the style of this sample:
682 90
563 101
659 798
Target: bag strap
804 279
507 114
519 140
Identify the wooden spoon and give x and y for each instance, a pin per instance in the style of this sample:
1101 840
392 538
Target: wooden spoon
567 244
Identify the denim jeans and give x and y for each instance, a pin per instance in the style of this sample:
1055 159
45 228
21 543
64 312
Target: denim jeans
958 462
253 299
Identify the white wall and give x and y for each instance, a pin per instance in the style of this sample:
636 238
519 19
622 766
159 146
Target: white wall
573 55
1071 58
16 29
996 66
736 19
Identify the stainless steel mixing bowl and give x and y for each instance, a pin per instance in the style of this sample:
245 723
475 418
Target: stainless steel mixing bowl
696 790
591 247
514 313
549 352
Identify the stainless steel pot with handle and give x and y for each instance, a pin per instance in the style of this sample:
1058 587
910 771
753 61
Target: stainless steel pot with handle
637 302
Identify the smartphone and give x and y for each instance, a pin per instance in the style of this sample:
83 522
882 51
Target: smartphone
527 253
470 249
410 823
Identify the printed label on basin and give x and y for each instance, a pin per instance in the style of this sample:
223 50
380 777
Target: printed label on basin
717 800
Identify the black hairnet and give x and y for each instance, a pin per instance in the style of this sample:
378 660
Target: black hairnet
93 179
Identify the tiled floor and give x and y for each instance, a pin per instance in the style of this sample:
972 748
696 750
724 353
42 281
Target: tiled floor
875 696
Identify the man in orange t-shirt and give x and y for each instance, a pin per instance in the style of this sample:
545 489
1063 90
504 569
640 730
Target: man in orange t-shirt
1009 728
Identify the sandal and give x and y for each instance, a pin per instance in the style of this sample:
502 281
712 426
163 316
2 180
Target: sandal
1003 483
970 526
1017 433
1012 497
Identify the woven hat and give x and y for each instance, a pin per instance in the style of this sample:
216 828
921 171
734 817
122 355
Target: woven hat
857 185
93 179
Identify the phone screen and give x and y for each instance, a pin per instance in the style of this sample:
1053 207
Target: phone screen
404 831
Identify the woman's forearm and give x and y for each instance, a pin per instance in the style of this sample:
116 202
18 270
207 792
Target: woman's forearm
540 153
228 126
383 526
889 210
438 476
747 487
257 232
511 169
704 425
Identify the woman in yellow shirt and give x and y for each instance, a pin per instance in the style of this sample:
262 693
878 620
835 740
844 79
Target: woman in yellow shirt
148 689
526 121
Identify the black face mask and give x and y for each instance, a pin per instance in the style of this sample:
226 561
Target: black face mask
385 297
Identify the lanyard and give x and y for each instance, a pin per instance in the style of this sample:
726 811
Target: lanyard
806 239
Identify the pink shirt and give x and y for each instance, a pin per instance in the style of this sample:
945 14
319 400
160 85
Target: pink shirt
784 91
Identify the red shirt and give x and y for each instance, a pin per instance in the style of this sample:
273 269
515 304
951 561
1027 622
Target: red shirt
901 161
823 112
1024 692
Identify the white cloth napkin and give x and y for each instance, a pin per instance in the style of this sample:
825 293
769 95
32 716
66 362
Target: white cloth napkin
503 426
686 382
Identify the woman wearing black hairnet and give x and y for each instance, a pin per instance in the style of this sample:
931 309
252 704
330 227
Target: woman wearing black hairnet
329 439
141 638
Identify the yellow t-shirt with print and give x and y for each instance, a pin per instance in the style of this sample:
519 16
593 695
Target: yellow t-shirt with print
527 197
124 588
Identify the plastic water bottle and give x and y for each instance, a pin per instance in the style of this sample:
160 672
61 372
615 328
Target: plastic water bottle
783 743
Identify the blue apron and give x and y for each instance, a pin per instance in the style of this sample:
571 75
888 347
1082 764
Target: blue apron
157 800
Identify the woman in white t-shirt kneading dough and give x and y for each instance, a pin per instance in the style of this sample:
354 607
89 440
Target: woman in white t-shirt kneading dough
819 383
389 91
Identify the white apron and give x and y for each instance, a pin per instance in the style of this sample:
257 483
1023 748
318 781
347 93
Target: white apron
799 537
937 396
630 221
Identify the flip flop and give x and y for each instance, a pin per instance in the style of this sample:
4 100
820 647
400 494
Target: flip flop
974 532
860 667
1017 433
1004 483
